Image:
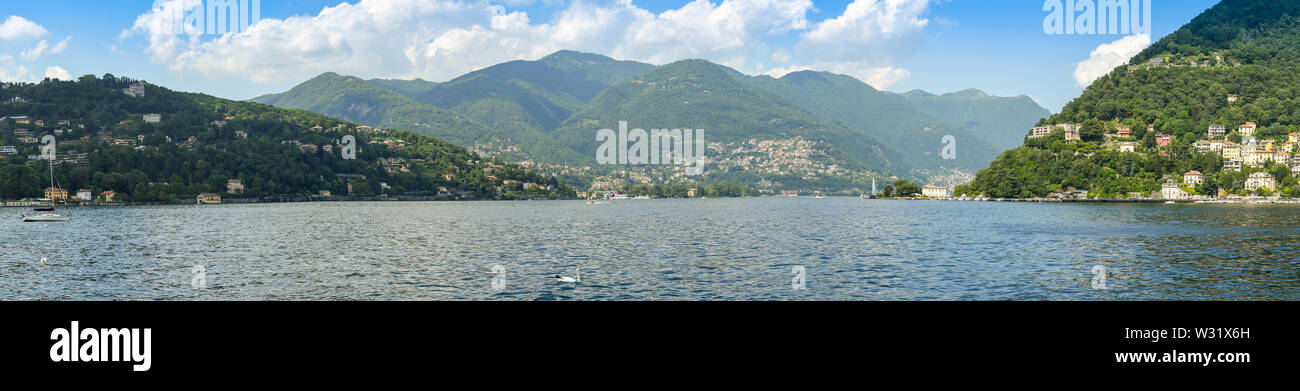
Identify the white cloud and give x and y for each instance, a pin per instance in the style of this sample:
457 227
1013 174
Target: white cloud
1108 56
781 72
883 77
868 40
43 48
869 31
16 27
58 73
441 39
11 71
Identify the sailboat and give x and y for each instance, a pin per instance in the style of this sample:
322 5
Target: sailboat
872 196
47 214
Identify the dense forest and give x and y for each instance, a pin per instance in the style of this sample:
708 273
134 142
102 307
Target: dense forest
1236 63
199 143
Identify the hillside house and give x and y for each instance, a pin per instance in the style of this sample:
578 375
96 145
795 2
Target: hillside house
1217 130
208 198
1164 140
1172 191
1247 129
935 191
1260 180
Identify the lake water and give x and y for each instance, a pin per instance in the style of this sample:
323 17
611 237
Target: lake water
716 249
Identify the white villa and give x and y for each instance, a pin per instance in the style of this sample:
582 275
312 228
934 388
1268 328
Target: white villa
1232 165
234 186
1260 180
1071 131
1247 129
935 191
1172 191
1193 178
1217 130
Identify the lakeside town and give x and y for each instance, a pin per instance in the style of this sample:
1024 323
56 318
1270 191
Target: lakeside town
86 150
1271 164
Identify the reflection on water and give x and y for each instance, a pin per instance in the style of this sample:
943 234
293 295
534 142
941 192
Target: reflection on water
719 249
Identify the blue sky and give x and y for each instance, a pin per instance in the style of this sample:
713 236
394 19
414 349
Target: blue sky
936 45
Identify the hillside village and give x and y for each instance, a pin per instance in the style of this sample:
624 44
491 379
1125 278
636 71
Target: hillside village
780 164
149 136
1238 147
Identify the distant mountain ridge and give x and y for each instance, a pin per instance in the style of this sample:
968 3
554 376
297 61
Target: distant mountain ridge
915 135
546 112
1001 121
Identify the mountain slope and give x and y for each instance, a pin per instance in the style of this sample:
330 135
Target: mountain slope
572 78
1238 62
409 88
108 142
880 116
531 95
357 100
1001 121
546 111
696 94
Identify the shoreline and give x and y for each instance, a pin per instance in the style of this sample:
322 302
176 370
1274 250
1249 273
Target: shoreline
291 200
1129 201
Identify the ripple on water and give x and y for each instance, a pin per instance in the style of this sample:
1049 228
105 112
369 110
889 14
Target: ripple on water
720 249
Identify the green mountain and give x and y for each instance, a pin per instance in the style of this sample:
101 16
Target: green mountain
696 94
353 99
109 140
880 116
530 98
1001 121
1235 63
547 112
409 88
504 110
566 78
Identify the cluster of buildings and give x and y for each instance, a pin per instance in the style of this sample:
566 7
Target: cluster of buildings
136 90
1252 151
1071 131
1172 190
1215 59
83 195
792 156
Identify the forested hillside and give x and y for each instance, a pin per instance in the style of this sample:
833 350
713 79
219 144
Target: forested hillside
1235 68
149 144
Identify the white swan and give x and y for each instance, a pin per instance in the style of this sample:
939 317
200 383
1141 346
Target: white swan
569 279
